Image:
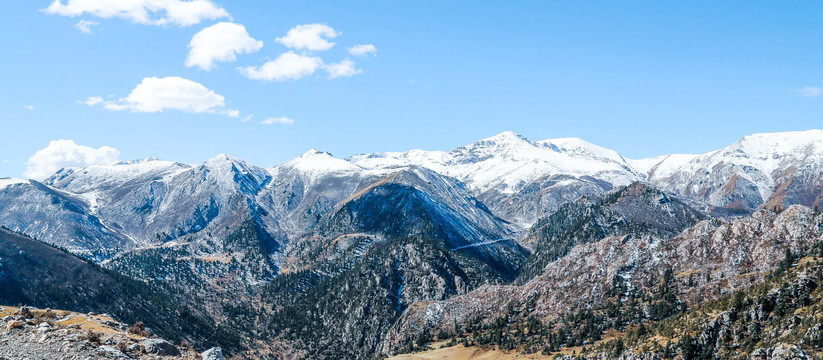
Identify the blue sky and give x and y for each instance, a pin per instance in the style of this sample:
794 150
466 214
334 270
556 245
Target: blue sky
643 78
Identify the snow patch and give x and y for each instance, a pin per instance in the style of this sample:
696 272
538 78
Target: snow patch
6 182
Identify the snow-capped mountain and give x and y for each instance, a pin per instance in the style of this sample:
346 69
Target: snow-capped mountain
154 201
164 213
151 201
58 217
507 162
351 245
521 180
775 169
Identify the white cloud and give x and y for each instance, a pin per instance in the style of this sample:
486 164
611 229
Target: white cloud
65 153
344 68
231 113
287 66
310 37
220 42
363 50
28 107
151 12
93 100
169 93
808 91
248 118
85 26
278 120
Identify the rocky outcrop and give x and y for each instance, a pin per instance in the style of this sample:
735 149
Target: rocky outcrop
49 334
780 352
212 354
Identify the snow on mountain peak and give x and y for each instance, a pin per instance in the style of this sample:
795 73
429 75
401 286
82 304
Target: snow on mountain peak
137 161
506 141
661 166
314 162
579 147
79 180
230 171
508 161
766 152
745 174
791 142
6 182
223 159
506 137
314 153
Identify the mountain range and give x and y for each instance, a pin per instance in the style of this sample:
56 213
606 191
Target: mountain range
322 257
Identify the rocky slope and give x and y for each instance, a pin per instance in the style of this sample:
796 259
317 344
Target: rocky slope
30 333
635 210
778 318
708 259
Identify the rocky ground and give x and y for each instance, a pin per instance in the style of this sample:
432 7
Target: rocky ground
34 334
459 352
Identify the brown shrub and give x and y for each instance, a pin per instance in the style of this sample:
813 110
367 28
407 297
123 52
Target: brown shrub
93 336
123 346
139 329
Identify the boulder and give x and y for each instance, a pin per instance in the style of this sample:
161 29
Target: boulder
214 353
160 347
110 352
788 352
780 352
14 324
25 311
133 348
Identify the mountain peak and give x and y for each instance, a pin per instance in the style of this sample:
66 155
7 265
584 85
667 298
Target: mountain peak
314 161
780 142
5 182
225 160
578 147
137 161
314 153
506 137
